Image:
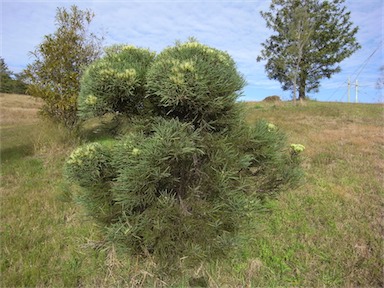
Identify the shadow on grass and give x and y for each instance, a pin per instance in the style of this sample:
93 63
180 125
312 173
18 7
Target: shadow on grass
16 152
97 129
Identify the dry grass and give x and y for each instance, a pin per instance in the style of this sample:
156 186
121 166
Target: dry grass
18 109
344 129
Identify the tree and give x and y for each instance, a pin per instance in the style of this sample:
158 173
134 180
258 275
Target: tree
59 61
312 37
6 79
20 85
11 82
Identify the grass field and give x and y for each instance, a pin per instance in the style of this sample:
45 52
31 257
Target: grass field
327 232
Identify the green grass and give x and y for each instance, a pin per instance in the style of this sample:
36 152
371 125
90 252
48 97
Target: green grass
327 232
41 233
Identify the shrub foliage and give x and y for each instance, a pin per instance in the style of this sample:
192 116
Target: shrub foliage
179 187
195 83
91 168
116 83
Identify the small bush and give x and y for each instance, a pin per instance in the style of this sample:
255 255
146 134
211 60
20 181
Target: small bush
273 98
55 73
90 167
273 166
116 83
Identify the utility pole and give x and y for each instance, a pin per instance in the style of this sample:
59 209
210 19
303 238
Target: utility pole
356 86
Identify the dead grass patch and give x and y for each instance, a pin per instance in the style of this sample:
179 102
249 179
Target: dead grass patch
18 109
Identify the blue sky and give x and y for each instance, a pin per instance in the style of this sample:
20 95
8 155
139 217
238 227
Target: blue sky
233 26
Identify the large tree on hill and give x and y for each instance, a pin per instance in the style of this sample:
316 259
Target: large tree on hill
312 37
59 61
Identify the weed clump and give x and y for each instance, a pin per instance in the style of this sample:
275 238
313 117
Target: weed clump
179 184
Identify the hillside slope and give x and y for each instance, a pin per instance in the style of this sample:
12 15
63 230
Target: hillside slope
329 231
18 109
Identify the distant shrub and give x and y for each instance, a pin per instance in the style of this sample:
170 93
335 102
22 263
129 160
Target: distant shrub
116 83
195 83
273 98
11 82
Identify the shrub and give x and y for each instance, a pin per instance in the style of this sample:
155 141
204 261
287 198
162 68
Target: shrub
178 186
176 193
273 165
180 193
90 167
273 98
195 83
116 83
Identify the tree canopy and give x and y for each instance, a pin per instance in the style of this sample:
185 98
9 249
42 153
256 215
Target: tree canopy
312 37
11 82
59 61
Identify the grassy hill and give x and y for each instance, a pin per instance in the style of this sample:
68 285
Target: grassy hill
327 232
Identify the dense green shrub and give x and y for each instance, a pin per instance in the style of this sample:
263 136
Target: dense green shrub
180 181
176 192
273 166
195 83
116 83
179 192
90 166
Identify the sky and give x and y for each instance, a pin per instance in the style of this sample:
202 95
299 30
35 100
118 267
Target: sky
232 26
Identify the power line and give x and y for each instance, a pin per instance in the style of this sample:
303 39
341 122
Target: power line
367 60
342 84
359 69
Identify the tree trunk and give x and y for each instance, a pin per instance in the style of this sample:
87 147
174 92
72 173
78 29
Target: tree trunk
302 85
294 91
302 93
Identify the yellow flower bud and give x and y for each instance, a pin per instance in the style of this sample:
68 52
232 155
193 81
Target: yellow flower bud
135 151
